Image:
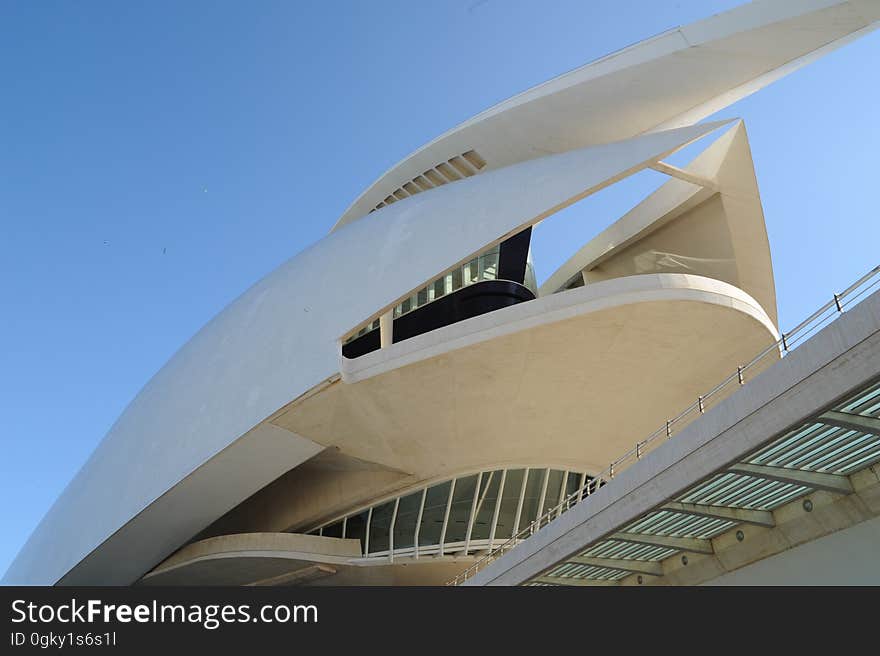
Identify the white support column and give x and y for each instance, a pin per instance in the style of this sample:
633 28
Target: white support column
419 523
391 531
446 516
498 499
581 485
543 498
367 532
386 330
472 515
519 505
687 176
561 494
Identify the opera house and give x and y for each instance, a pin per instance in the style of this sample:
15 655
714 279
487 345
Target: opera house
402 397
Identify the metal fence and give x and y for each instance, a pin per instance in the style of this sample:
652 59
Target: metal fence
789 340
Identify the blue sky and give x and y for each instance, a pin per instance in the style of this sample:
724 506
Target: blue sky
157 158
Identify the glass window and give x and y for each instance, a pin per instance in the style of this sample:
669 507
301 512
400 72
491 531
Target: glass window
459 514
473 271
486 500
432 517
439 287
489 265
573 483
554 487
380 524
529 482
509 500
534 484
457 278
405 524
356 527
422 297
333 531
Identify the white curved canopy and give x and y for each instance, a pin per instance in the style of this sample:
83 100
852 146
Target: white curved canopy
676 78
195 442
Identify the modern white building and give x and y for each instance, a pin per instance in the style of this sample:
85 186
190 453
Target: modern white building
398 432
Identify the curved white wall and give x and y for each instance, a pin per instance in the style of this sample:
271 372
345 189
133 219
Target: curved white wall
272 344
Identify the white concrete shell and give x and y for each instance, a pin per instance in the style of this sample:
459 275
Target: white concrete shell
673 79
273 344
719 218
197 440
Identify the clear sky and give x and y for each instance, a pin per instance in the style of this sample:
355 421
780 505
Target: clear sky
157 158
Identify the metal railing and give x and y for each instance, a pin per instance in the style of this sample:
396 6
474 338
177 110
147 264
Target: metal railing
816 321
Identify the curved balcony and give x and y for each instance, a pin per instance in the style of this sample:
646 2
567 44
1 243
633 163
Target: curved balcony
469 301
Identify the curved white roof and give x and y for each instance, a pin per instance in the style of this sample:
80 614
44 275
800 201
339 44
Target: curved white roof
676 78
194 442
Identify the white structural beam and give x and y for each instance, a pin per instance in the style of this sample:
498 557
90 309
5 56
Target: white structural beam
386 330
693 545
852 421
558 580
621 564
816 480
681 174
740 515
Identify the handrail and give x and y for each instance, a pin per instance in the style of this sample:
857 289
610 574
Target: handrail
787 341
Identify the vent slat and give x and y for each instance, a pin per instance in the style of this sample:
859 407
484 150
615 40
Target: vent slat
456 168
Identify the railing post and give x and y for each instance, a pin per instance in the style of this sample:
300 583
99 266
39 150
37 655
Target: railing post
837 302
700 404
784 343
739 373
638 450
668 429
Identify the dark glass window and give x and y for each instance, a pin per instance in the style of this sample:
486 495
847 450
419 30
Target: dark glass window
509 500
333 531
432 517
457 278
356 527
486 500
462 499
380 525
554 487
534 484
573 484
405 524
